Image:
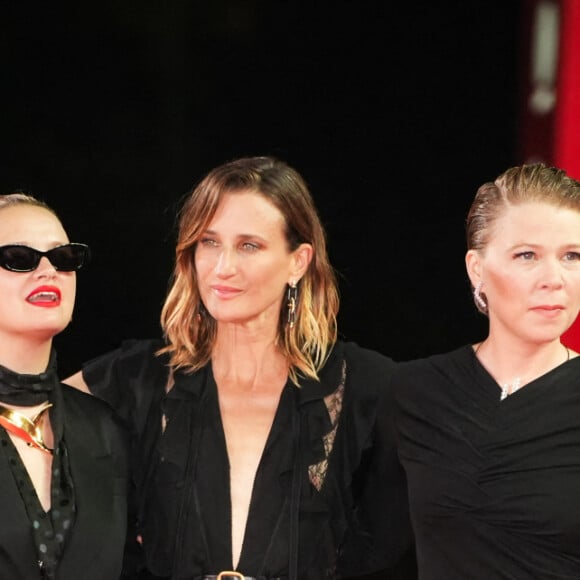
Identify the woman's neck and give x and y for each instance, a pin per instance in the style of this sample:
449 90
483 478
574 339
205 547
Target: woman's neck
511 361
244 359
25 356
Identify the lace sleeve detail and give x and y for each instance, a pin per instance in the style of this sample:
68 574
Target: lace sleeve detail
333 402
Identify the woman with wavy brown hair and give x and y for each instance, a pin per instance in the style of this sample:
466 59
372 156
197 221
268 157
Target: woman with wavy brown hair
261 450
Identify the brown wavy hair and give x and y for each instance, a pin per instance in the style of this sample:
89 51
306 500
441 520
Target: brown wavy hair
190 331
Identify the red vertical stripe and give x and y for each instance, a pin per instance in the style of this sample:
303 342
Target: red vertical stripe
567 122
567 119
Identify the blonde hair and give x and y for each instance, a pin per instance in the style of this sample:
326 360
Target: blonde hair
190 331
522 184
20 198
525 183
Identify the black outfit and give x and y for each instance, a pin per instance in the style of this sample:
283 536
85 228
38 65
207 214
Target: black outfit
328 470
83 534
494 486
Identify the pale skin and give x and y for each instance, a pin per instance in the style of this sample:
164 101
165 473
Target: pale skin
244 264
27 328
530 274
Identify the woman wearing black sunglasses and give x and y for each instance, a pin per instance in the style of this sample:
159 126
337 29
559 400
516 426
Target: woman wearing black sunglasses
260 443
62 455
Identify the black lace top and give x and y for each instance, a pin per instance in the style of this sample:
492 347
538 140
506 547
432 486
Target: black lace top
329 467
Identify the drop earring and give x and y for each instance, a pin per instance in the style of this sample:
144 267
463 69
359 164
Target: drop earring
291 304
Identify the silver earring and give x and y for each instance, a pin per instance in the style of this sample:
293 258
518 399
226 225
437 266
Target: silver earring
292 301
479 301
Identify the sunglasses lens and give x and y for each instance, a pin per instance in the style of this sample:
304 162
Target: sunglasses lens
68 258
18 258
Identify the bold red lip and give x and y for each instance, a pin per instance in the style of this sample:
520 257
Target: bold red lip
45 296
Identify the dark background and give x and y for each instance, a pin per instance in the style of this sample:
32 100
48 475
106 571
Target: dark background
394 112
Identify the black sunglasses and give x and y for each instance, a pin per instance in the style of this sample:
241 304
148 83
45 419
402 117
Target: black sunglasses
66 258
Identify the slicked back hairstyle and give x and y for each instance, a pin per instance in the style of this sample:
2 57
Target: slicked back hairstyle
20 198
522 184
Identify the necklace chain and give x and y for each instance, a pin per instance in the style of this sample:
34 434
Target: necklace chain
508 389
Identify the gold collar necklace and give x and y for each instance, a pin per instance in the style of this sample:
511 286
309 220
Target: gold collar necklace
28 429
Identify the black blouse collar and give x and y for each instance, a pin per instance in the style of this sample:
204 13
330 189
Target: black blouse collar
188 385
330 376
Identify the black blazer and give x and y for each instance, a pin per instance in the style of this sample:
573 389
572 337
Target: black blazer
98 459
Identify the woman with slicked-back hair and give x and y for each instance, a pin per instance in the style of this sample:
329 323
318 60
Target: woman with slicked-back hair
63 455
489 434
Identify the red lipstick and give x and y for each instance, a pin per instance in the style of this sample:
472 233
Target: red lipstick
45 296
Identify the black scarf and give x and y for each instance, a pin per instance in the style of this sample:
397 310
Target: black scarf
52 529
28 390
